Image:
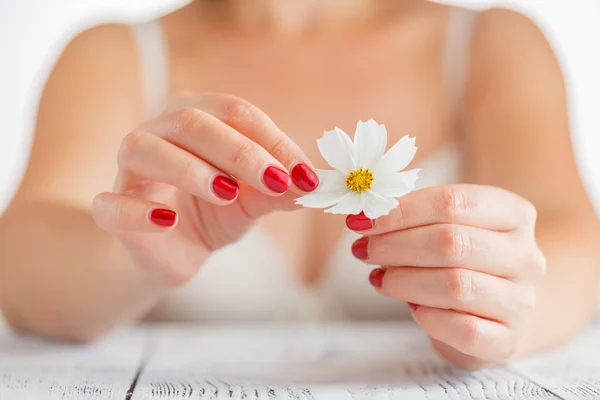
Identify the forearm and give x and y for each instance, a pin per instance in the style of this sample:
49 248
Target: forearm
63 277
568 296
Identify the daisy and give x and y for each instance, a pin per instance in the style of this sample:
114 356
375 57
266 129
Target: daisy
364 179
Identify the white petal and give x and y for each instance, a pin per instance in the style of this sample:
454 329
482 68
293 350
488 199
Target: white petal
377 206
338 150
332 188
398 156
396 184
351 204
370 141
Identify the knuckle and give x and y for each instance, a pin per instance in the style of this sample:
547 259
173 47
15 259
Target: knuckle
128 147
506 350
453 243
537 263
279 146
185 121
529 211
399 215
459 286
472 334
242 153
235 110
452 203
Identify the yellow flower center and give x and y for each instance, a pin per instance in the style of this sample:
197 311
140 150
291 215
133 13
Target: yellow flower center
359 180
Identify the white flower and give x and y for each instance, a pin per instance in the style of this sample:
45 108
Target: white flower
364 178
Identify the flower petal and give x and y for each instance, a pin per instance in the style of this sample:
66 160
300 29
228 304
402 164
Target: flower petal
377 206
396 184
398 156
370 141
351 204
338 150
332 188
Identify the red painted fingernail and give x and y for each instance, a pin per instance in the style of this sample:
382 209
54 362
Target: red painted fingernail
413 306
225 188
376 277
360 248
277 180
360 222
304 178
163 217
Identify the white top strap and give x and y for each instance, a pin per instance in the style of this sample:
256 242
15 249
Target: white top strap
153 56
457 53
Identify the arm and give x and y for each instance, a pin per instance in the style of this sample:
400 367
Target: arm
61 275
161 193
518 139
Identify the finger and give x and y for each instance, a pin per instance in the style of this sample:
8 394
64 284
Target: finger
222 146
256 125
478 206
254 204
497 253
458 359
460 289
115 212
148 156
468 334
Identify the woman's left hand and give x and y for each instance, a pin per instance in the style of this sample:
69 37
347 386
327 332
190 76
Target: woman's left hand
466 260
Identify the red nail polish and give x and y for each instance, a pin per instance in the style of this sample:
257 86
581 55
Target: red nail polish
225 188
376 277
277 180
163 217
413 306
304 178
360 248
360 222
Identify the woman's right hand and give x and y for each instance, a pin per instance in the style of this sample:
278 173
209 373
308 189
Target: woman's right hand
175 199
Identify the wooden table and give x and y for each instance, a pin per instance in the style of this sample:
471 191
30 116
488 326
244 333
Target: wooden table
354 362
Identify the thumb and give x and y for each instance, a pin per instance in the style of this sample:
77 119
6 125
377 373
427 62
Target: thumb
118 213
255 204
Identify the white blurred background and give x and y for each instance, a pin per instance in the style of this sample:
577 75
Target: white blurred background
33 33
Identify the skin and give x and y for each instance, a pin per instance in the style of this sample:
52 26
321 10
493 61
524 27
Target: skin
500 267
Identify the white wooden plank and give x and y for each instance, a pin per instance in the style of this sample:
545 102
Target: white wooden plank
349 362
33 369
571 371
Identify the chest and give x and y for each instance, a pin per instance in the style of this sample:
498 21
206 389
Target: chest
310 90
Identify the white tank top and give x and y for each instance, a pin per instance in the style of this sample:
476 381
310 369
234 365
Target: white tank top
246 281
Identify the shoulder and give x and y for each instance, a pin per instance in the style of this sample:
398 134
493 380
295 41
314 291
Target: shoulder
508 47
99 61
92 97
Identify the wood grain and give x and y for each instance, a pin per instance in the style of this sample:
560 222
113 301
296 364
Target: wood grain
32 369
350 362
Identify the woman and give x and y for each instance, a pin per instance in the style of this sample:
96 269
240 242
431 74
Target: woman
128 208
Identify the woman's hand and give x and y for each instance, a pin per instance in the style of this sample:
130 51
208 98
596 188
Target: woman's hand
175 198
466 260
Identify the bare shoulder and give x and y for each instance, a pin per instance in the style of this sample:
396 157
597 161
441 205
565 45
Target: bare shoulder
90 101
509 45
517 115
99 62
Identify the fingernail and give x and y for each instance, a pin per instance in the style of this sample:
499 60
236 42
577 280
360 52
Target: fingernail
360 222
376 277
225 188
304 178
163 217
413 306
277 180
360 248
